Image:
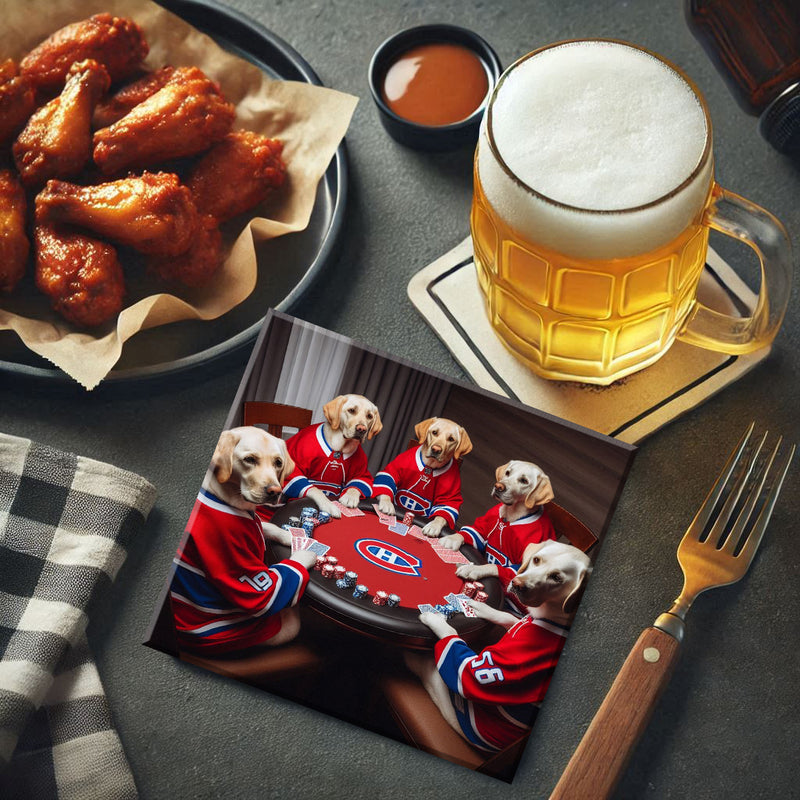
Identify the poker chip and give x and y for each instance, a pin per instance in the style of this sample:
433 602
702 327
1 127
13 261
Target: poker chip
341 584
323 517
393 600
481 597
294 522
307 511
360 591
339 572
479 587
470 588
328 570
381 598
408 518
308 526
333 561
321 561
351 577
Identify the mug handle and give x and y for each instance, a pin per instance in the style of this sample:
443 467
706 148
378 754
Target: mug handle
734 216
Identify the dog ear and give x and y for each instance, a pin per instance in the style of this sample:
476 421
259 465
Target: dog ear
574 597
222 460
500 472
541 493
528 553
464 443
377 425
333 411
288 464
421 429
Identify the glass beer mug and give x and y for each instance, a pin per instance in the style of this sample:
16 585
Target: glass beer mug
594 195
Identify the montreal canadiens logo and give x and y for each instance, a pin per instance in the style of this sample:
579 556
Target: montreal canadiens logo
411 504
388 556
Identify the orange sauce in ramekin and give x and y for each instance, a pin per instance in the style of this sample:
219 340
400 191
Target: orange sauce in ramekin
435 84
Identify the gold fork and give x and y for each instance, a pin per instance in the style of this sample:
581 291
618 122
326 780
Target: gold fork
708 558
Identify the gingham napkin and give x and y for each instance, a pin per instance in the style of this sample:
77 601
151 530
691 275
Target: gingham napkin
65 524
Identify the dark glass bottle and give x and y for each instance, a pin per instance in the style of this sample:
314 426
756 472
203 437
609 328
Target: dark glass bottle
755 45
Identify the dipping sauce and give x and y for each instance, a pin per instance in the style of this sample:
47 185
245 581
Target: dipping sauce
435 84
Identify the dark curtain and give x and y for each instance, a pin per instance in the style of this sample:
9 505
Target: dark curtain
404 396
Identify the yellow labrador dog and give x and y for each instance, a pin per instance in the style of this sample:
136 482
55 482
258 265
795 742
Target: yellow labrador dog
330 456
426 479
248 469
550 582
506 530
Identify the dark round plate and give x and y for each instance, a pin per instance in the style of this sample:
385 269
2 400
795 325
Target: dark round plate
295 260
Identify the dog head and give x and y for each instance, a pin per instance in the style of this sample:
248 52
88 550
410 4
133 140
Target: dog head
354 416
441 440
250 466
521 481
552 574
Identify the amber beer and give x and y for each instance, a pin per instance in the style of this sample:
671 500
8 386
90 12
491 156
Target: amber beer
593 195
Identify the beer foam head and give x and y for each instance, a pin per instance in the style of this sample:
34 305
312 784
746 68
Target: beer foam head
599 127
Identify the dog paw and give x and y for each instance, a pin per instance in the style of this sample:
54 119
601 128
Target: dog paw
330 508
482 610
308 558
385 505
350 498
452 542
469 572
434 528
437 623
276 534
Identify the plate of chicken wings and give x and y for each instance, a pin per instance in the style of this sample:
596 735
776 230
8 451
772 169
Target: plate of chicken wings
171 226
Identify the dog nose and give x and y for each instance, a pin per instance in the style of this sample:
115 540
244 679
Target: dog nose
499 486
436 448
272 492
361 428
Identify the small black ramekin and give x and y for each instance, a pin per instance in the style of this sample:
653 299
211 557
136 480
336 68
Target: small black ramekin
431 137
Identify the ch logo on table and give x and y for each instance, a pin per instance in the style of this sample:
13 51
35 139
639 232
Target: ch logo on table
388 556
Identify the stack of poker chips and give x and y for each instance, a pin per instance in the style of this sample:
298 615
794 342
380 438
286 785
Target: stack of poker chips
359 590
323 517
481 596
471 588
446 610
338 573
381 598
308 520
328 570
408 519
393 600
295 522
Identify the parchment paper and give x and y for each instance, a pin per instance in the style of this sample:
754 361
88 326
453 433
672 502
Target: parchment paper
310 120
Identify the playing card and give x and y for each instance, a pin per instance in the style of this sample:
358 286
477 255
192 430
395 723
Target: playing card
317 547
348 512
298 532
386 519
466 608
300 542
398 527
417 533
425 607
452 556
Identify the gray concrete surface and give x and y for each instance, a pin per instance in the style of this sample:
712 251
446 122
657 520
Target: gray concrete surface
727 726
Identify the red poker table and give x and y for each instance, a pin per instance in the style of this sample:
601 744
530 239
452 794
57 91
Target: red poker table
397 564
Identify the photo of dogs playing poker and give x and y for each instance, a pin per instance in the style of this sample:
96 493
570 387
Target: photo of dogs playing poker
389 546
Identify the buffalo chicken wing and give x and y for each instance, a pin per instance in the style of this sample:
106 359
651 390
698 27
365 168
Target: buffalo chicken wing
238 173
115 42
14 243
152 213
57 141
117 105
183 118
17 100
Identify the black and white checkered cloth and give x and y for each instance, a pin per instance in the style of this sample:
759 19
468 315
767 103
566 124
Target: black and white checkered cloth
65 525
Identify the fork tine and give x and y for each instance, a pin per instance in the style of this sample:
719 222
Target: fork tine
717 531
703 514
755 492
757 533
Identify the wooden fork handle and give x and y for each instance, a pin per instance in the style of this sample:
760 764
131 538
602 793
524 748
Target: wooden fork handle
600 759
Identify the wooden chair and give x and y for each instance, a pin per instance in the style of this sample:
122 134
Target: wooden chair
570 528
424 727
275 416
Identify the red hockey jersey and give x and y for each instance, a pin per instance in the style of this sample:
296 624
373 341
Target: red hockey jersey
224 595
496 692
317 464
423 490
504 542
